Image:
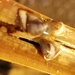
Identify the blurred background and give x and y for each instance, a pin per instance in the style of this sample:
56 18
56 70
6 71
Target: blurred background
60 10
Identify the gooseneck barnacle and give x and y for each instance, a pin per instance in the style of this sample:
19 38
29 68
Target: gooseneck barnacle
48 49
31 24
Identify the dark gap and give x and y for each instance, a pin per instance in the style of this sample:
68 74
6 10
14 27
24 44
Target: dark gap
57 41
37 45
10 27
29 41
65 45
68 46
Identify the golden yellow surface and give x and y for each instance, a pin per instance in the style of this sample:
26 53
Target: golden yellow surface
25 54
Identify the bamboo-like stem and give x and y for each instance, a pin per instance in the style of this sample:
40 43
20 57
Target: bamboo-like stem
25 54
16 51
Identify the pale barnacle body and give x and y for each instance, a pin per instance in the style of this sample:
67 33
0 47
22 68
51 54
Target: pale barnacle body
35 26
48 49
23 18
31 24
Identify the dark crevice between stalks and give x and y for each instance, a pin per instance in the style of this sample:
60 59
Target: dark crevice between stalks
29 41
10 27
65 45
35 44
